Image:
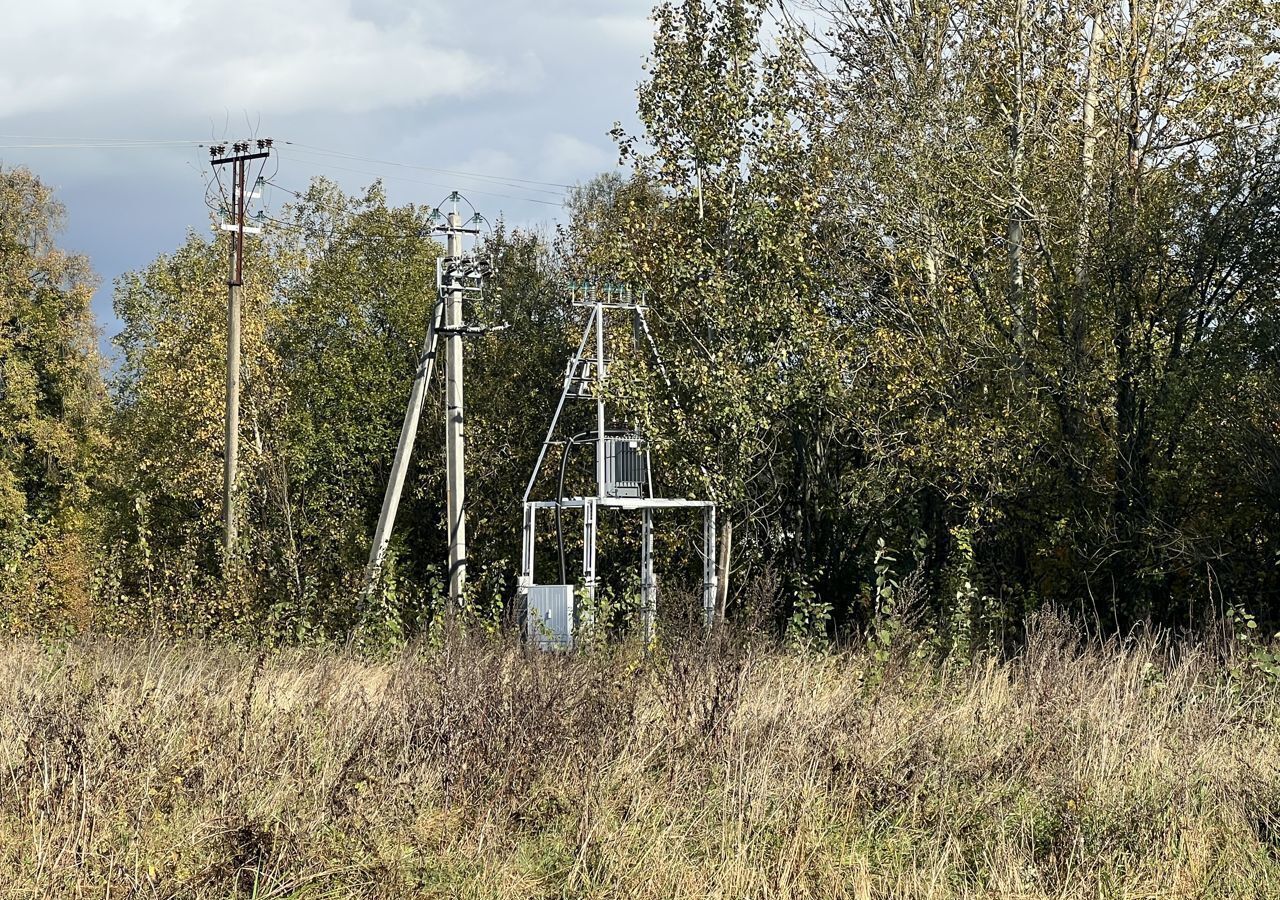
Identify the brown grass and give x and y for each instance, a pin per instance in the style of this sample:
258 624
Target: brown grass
472 769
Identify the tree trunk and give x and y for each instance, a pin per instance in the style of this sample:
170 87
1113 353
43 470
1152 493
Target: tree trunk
1016 216
722 568
1088 147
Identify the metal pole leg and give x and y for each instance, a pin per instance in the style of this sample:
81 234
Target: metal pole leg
526 565
527 543
589 527
709 566
648 586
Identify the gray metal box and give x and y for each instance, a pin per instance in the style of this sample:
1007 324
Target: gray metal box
549 618
624 467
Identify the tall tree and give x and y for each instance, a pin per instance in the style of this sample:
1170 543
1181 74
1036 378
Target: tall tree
980 271
51 401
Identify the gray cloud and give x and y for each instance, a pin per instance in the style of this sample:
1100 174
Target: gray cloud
286 56
506 87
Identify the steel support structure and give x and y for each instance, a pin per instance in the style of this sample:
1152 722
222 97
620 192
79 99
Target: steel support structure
591 508
585 370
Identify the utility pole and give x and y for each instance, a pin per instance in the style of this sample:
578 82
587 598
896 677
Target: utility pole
455 473
239 161
404 449
459 276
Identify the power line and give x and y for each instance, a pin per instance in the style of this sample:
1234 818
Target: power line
387 162
434 184
322 163
487 180
421 229
98 145
98 140
529 185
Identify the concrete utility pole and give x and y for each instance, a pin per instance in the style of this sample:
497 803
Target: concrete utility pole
458 276
404 449
455 473
235 281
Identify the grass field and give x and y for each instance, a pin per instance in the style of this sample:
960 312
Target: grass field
191 770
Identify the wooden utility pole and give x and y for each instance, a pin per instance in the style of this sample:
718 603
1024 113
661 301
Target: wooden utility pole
239 161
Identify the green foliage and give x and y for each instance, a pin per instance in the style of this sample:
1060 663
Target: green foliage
1255 655
51 404
993 284
810 618
911 293
335 309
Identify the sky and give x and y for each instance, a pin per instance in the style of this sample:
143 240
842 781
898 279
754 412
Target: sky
524 90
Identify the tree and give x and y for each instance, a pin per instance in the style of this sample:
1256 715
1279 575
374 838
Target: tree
981 274
51 401
336 303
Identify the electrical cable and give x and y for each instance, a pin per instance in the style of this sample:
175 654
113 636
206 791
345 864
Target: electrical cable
259 183
527 185
58 142
387 162
301 196
95 145
564 464
430 183
420 230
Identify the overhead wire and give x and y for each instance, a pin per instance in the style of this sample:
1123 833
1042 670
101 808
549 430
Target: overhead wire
259 183
333 209
307 153
77 144
335 167
423 230
502 179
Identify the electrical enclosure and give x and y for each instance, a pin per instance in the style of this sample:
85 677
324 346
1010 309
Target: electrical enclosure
549 617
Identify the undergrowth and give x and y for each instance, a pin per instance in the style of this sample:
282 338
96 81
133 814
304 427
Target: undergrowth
1134 769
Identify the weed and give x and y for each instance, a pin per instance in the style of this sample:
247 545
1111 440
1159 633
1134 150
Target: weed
468 766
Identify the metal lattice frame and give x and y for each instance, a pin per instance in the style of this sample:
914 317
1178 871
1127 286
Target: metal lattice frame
585 371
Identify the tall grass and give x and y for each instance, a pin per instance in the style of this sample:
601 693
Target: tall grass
476 770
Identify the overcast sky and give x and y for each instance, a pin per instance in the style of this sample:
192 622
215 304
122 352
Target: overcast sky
526 89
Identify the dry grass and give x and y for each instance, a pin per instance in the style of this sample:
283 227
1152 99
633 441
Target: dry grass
188 770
